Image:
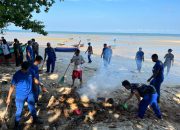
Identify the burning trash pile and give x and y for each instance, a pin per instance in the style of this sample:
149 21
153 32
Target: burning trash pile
79 110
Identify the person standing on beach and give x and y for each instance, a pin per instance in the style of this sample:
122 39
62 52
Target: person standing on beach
78 60
90 52
29 53
169 60
158 74
35 47
6 51
110 52
147 93
104 55
139 59
35 70
18 52
50 52
22 81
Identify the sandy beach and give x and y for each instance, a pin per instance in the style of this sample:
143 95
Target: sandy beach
104 83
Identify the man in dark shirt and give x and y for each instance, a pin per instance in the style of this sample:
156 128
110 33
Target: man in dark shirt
147 93
90 52
35 47
139 59
169 60
158 74
50 52
18 52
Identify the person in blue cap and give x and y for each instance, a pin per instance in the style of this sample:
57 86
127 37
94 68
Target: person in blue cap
139 59
50 52
22 82
90 52
169 60
29 53
158 74
147 93
35 70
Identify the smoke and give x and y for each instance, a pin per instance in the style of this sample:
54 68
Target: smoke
106 80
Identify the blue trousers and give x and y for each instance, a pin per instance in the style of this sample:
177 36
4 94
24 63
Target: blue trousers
20 100
50 63
149 100
30 61
139 64
157 84
36 92
89 58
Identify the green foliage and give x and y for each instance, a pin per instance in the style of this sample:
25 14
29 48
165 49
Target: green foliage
20 12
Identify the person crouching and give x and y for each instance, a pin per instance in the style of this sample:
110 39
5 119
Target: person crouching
147 93
78 60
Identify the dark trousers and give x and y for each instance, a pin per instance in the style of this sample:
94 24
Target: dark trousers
157 84
19 59
20 100
150 99
50 63
89 58
36 53
36 92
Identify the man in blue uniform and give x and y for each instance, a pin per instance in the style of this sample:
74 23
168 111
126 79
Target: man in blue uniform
158 74
50 52
22 81
139 59
148 94
35 70
106 54
29 53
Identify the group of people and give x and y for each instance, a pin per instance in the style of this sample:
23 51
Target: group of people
169 60
28 85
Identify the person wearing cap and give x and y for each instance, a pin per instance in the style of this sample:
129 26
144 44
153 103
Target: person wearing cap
139 59
158 75
78 60
169 60
90 52
147 93
22 82
35 70
50 52
35 47
29 53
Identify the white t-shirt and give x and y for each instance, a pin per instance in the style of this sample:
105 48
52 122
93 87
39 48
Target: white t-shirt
5 49
78 61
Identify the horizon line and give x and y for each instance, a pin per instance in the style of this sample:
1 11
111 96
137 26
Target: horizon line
98 32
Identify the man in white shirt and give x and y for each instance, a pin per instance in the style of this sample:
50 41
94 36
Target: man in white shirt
6 50
78 60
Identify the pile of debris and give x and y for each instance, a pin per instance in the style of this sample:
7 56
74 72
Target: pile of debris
78 110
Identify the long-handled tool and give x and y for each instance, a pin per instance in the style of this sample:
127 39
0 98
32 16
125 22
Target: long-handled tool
61 81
